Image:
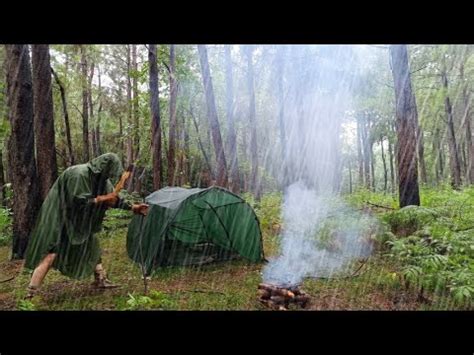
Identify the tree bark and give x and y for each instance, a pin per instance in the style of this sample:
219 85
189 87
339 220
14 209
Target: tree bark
66 118
222 179
21 147
421 155
91 111
99 111
392 175
129 109
254 183
47 168
280 70
136 107
155 115
232 138
453 150
359 153
172 124
85 110
3 201
406 114
201 146
366 148
384 166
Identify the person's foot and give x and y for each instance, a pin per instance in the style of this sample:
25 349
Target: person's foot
32 291
104 284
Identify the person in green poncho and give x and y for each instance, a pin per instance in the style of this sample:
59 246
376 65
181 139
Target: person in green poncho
72 213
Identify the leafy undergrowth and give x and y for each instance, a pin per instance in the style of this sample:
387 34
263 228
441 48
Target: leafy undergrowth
385 281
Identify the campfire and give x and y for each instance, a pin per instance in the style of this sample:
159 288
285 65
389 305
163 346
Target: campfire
279 297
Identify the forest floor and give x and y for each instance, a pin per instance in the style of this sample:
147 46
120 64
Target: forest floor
223 286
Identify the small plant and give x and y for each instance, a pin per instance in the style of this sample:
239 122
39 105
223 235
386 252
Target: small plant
155 300
26 305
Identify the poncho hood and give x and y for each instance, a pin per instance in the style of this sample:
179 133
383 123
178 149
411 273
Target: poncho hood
107 165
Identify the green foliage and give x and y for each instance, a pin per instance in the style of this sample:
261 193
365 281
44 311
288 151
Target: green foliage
25 305
155 300
5 226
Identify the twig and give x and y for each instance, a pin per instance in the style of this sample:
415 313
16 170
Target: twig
6 280
205 291
374 204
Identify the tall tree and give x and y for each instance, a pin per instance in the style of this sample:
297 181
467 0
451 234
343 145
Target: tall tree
129 107
453 150
155 115
21 146
254 185
85 106
232 137
384 166
406 119
172 125
66 117
222 179
43 118
136 111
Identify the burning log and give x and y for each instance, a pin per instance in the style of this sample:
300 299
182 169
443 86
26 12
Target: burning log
280 297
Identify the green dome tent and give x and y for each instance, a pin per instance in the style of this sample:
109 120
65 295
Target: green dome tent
194 226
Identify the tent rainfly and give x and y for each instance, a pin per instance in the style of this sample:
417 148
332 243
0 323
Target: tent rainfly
194 227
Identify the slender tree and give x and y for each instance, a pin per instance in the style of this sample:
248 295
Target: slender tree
222 179
155 115
232 137
43 119
85 106
406 113
172 124
254 185
21 146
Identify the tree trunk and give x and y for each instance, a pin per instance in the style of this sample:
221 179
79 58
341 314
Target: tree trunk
91 111
3 200
280 70
222 179
47 168
350 177
232 138
201 146
466 120
129 110
172 124
99 111
366 147
453 150
384 167
254 183
421 155
155 115
392 174
85 110
359 153
66 118
136 108
406 128
21 147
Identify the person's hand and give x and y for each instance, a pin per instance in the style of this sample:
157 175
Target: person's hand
140 208
109 200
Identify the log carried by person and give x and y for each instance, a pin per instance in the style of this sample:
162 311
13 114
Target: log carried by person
64 237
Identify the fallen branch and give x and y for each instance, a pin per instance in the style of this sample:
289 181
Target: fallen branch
380 206
6 280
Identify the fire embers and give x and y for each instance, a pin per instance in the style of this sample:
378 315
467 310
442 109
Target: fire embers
281 297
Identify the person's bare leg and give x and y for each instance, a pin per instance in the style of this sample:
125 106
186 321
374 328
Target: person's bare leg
101 280
40 273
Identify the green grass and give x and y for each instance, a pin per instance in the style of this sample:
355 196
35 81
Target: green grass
380 284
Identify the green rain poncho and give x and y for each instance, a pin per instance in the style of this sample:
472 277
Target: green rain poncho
68 219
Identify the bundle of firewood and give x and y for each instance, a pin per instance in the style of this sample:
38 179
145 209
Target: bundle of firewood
280 297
